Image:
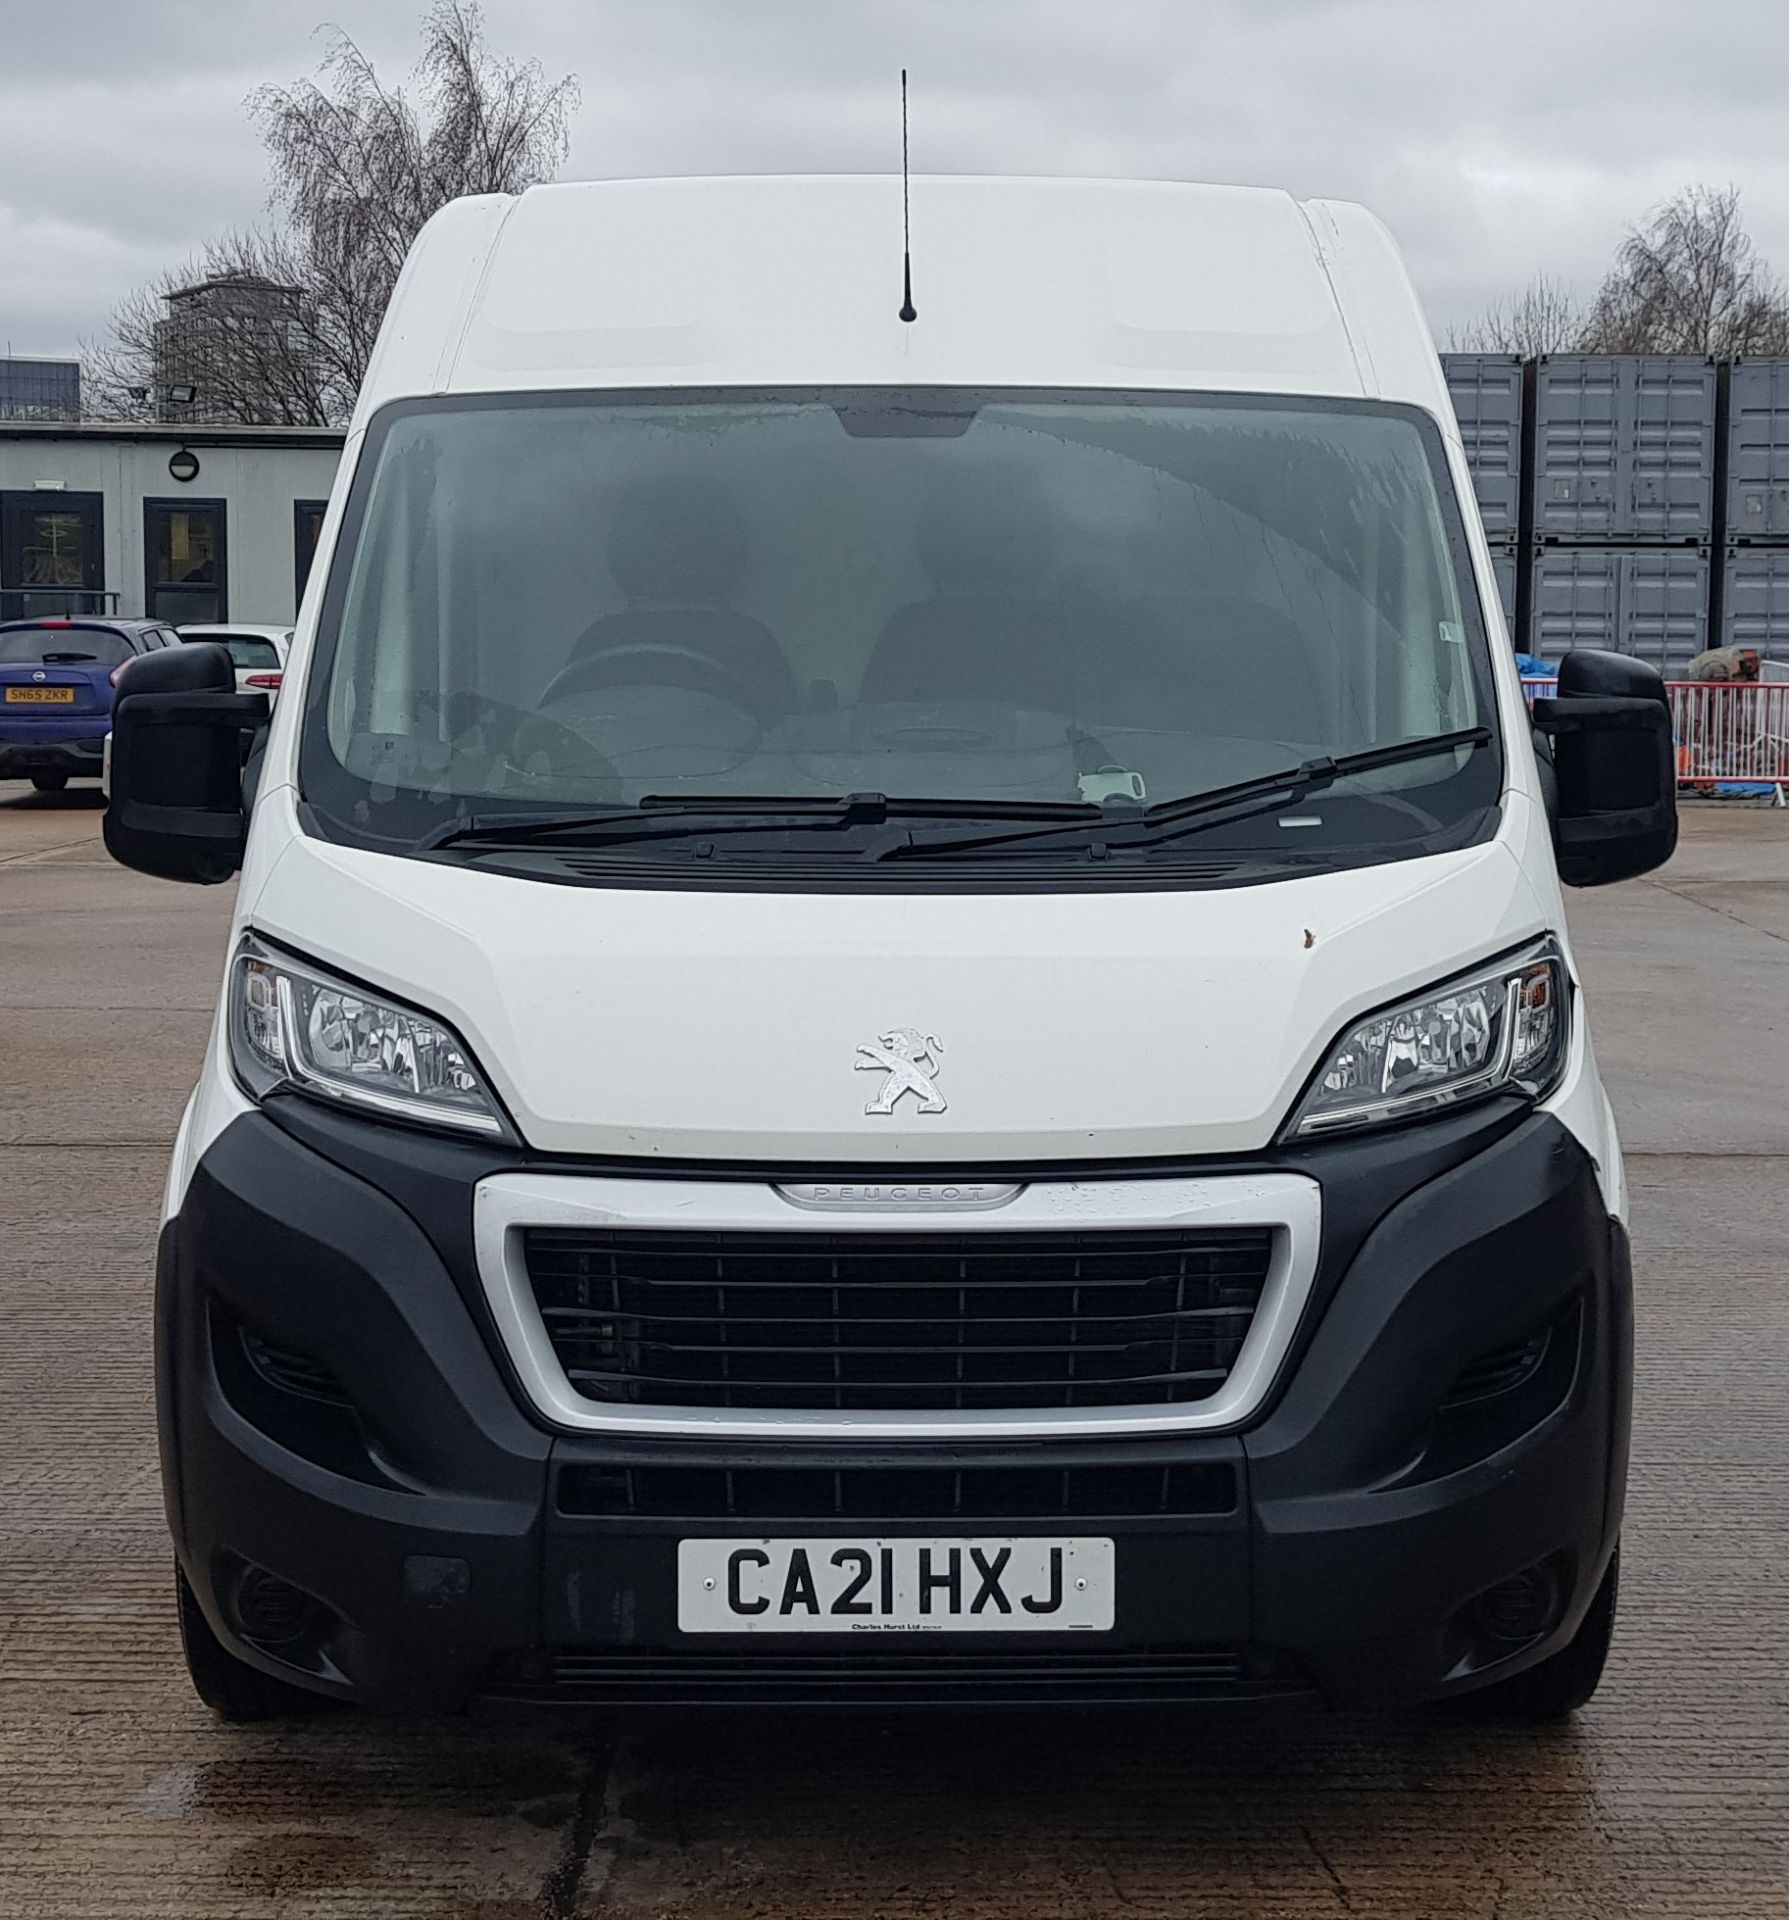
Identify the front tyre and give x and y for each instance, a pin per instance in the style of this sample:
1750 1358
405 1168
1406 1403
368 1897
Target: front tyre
1564 1681
49 782
231 1688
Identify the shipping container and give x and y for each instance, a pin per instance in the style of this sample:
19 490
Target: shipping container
1755 601
1648 601
1758 451
1624 448
1486 389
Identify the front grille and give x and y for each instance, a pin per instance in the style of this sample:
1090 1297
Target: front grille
908 1677
910 1321
774 1494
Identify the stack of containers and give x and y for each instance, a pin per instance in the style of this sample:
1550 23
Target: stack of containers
1754 604
1487 392
1622 505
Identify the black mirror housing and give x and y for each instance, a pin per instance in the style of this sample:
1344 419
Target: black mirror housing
1615 763
177 726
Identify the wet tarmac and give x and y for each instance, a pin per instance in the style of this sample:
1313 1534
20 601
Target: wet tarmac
119 1796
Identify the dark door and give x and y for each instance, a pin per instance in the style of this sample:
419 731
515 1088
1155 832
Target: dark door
52 554
185 561
307 524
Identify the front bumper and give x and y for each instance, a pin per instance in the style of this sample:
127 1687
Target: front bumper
337 1411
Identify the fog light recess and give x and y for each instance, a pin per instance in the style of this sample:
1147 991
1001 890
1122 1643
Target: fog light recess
1519 1609
271 1611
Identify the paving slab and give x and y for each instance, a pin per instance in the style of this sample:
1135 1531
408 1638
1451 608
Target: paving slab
36 823
1687 975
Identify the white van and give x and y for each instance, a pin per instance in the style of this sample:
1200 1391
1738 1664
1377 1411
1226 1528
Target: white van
899 1025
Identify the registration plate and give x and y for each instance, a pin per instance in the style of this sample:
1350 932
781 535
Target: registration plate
40 696
1001 1585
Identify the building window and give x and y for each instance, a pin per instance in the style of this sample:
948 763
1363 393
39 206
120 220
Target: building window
40 389
52 554
307 526
185 561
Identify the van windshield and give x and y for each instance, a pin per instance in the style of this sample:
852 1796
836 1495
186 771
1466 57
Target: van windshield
567 604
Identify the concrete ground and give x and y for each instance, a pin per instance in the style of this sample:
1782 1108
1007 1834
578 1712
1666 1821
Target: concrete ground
119 1796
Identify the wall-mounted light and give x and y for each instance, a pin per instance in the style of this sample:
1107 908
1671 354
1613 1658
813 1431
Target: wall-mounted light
182 396
184 465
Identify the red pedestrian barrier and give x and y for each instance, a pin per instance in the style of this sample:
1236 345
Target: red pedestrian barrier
1731 731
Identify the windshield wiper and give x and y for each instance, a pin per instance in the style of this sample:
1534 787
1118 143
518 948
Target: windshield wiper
1124 826
66 659
683 817
1113 823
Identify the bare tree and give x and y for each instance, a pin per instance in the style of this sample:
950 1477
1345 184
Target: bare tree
1689 281
1545 317
277 324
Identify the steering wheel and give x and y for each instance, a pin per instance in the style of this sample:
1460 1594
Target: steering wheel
679 667
511 736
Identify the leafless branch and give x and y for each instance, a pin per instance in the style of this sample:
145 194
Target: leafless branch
1545 317
1688 280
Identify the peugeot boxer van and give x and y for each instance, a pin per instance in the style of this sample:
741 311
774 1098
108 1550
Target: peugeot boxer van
900 1025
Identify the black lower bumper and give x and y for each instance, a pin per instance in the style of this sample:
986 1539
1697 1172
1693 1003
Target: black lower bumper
361 1503
79 758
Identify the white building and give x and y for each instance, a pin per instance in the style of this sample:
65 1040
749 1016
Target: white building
178 522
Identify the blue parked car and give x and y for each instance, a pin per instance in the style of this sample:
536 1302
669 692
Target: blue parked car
56 681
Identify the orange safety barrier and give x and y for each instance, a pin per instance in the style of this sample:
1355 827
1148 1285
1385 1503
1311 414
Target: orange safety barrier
1728 732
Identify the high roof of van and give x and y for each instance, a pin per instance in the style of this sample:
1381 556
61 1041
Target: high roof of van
796 281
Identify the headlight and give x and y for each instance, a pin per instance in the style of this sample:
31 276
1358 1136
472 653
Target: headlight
1500 1029
292 1025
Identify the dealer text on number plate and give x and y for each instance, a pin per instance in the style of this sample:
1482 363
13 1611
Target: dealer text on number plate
895 1586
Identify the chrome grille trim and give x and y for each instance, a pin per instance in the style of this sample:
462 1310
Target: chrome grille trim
506 1204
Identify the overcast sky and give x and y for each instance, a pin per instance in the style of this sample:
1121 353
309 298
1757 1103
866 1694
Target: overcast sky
1495 139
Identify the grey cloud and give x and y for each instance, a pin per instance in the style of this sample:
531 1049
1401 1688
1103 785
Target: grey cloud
1495 142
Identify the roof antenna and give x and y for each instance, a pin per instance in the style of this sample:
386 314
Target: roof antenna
908 310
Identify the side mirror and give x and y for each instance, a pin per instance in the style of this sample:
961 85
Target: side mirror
1616 766
176 764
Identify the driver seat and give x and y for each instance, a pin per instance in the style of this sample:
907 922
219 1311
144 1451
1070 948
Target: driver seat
987 636
677 550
